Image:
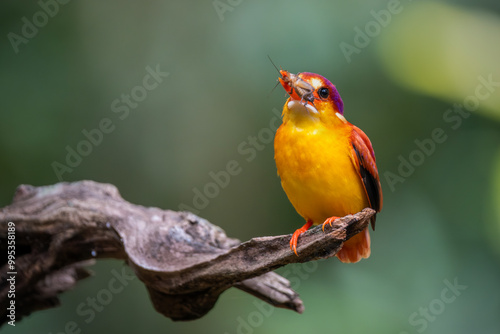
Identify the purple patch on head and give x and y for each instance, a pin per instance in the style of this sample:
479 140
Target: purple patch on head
337 100
335 97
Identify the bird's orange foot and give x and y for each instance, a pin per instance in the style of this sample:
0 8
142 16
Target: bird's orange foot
295 236
329 221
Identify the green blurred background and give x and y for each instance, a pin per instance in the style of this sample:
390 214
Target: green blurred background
399 67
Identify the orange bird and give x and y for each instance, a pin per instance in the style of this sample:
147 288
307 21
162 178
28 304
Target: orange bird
326 165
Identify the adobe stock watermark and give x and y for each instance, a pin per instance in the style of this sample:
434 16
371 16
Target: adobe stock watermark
425 315
31 26
11 272
296 275
247 152
88 310
121 107
453 118
363 37
223 6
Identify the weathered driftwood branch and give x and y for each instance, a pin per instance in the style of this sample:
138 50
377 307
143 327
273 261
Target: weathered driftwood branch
184 261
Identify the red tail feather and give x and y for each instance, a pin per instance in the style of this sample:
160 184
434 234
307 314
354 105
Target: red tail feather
356 248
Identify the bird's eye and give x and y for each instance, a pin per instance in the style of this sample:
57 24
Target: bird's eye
323 92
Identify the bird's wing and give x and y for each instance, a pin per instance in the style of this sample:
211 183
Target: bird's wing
363 158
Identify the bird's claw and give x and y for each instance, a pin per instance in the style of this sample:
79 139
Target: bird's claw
329 221
296 234
293 242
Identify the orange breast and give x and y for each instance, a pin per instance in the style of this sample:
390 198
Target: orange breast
317 172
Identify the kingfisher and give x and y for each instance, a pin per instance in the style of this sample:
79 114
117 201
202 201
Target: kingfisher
326 164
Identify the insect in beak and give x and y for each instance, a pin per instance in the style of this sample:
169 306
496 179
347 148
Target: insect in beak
298 89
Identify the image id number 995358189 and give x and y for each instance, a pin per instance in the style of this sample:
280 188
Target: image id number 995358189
11 274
